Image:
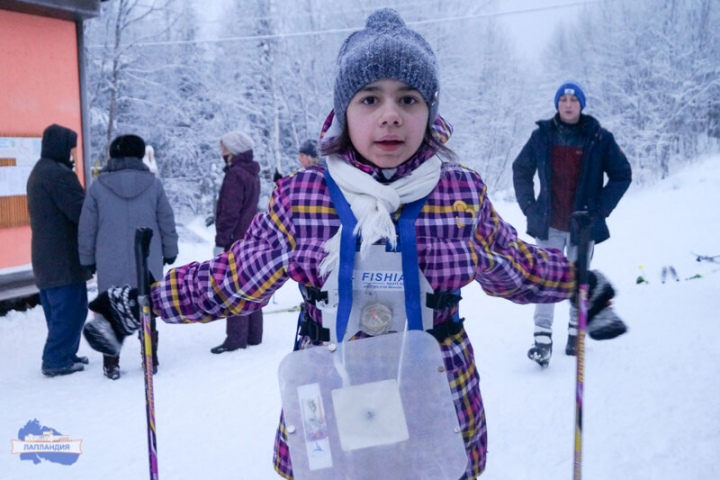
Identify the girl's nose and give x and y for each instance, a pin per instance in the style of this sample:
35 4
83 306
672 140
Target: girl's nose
390 115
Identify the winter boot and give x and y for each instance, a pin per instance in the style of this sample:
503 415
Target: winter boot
79 359
571 347
542 350
111 367
54 372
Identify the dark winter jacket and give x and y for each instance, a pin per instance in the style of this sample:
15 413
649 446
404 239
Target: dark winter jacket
238 200
124 197
55 199
601 156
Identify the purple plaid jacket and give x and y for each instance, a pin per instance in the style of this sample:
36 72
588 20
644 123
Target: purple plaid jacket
460 239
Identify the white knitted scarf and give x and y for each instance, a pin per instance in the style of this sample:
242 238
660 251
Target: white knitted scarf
372 203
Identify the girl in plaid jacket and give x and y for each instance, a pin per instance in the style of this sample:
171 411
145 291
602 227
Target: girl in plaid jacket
386 150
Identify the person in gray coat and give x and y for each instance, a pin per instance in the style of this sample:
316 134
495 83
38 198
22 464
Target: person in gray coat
125 196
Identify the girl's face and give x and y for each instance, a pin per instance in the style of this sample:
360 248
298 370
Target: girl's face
386 121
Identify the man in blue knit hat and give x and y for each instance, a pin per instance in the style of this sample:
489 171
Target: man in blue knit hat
571 154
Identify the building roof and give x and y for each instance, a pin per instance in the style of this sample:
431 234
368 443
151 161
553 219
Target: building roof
63 9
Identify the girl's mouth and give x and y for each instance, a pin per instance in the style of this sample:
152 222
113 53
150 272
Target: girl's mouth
389 144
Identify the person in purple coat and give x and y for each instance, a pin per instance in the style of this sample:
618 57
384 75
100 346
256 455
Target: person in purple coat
236 207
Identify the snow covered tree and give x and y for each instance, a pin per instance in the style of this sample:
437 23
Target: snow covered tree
652 78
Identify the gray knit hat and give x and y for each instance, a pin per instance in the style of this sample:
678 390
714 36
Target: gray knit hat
237 142
386 48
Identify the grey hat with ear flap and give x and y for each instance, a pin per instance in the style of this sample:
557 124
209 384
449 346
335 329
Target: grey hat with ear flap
385 49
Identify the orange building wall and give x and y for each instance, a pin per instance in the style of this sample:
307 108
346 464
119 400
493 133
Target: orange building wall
39 85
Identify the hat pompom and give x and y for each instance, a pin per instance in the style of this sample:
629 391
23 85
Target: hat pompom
127 146
385 19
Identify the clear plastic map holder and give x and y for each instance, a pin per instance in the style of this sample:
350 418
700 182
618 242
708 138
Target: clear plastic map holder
375 408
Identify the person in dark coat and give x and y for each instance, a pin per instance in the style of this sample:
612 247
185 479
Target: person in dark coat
125 196
55 199
236 207
571 154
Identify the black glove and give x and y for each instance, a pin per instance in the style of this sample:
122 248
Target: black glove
119 317
120 306
169 260
602 321
90 269
277 176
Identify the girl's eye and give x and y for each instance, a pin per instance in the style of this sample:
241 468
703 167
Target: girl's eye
408 100
369 100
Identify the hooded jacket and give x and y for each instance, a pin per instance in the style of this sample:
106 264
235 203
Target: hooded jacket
125 196
460 239
55 199
601 156
238 199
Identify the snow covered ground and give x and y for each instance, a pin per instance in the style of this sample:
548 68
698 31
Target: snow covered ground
651 396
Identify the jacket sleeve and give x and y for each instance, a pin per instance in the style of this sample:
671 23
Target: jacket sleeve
524 168
228 218
240 281
619 173
88 229
68 194
166 223
513 269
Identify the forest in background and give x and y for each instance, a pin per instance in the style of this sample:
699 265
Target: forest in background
649 70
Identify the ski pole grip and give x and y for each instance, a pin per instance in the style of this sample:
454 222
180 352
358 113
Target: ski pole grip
581 223
143 236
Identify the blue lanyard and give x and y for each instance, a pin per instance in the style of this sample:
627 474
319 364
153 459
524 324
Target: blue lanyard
348 246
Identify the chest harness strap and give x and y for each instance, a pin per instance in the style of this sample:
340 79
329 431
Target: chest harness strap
407 247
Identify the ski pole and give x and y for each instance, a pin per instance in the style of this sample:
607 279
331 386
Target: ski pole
142 248
581 224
